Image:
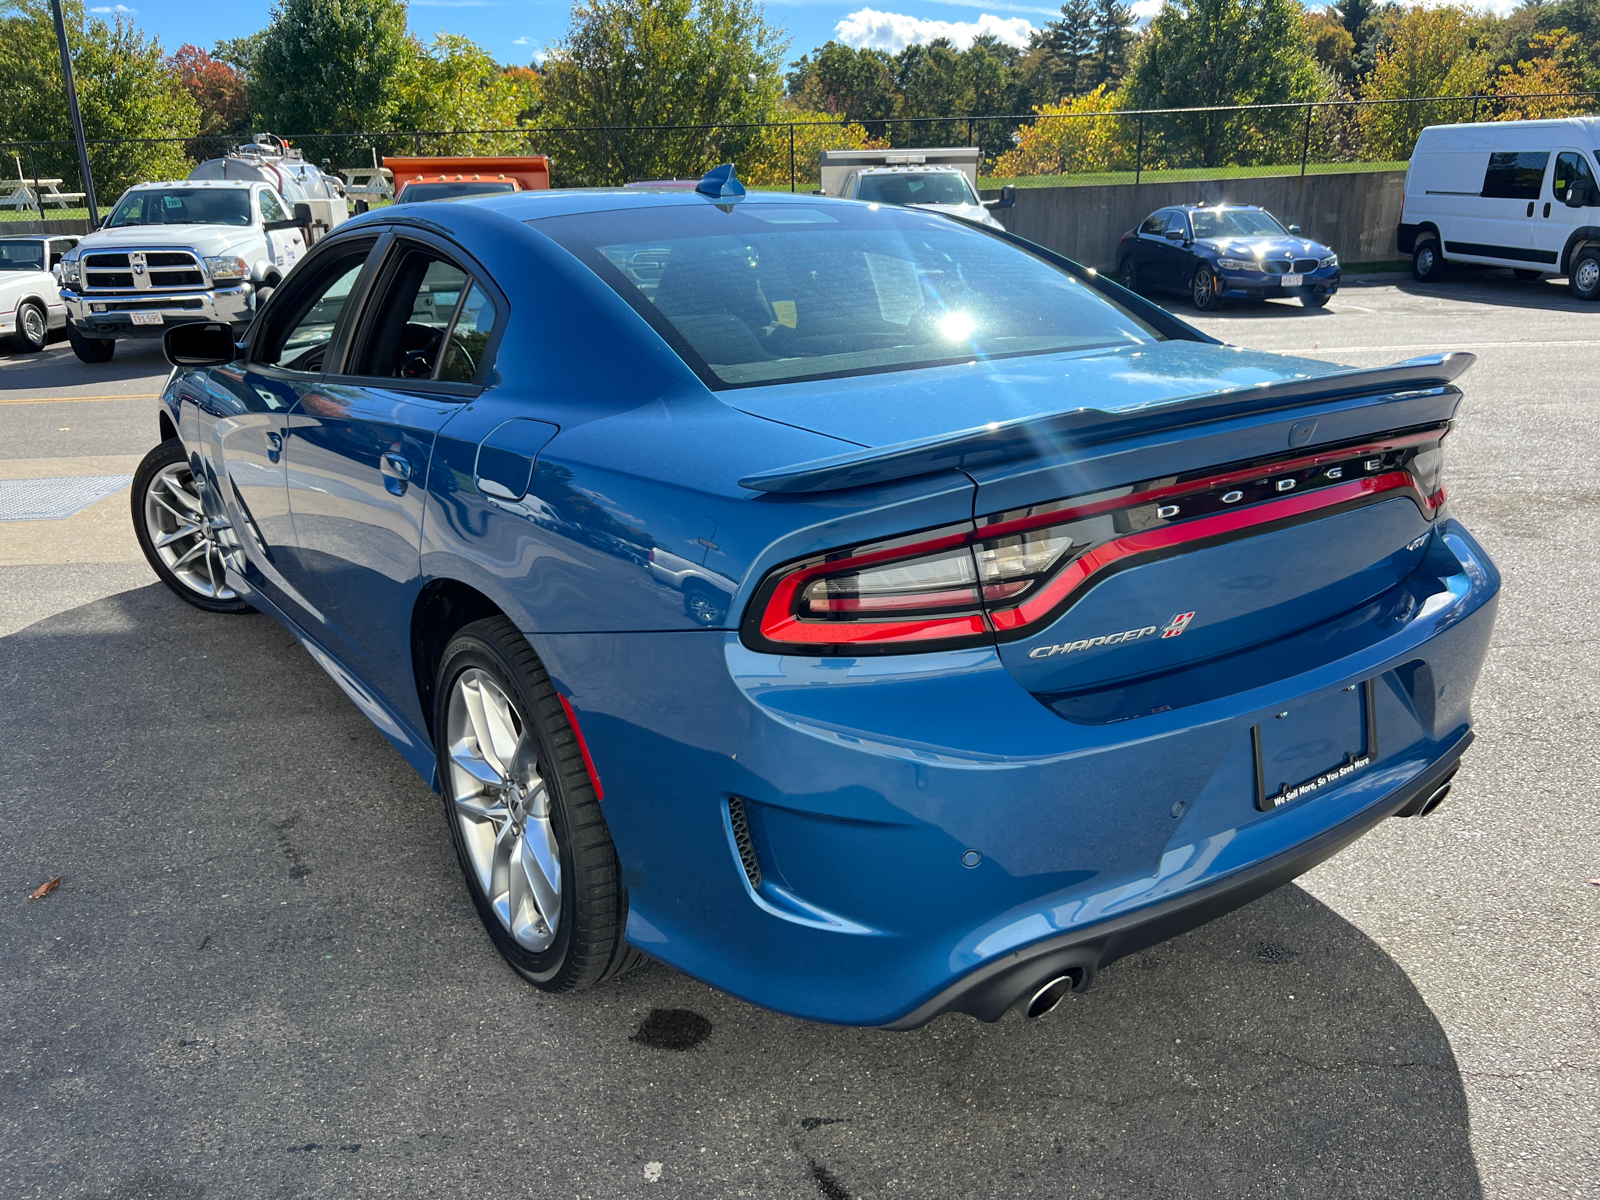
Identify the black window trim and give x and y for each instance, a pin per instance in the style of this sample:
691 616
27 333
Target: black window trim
341 328
399 240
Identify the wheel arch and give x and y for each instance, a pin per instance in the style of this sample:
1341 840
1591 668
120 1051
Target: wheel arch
1426 229
1584 235
166 428
443 608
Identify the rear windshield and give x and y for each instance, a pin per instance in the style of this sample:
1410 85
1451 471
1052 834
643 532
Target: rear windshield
415 192
931 187
1233 222
776 293
23 254
183 206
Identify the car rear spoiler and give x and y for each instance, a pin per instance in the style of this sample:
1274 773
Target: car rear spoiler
1026 437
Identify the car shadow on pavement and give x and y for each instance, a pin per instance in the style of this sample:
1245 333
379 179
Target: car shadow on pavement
1498 287
261 974
56 367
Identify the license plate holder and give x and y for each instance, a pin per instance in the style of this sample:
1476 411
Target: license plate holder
1293 280
145 318
1306 749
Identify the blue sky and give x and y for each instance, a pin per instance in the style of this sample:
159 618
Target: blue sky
516 31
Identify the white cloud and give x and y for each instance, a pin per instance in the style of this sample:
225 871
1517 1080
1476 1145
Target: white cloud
1143 10
895 31
116 8
522 41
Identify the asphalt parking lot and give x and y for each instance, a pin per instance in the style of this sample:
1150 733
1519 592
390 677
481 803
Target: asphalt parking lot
261 975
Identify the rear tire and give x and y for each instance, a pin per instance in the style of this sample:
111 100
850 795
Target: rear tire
1203 289
91 350
1426 262
1584 276
498 717
1128 275
33 328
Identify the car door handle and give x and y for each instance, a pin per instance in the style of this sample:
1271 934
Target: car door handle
1530 208
1547 208
396 473
274 447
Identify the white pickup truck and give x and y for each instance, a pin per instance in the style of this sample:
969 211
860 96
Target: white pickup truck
192 250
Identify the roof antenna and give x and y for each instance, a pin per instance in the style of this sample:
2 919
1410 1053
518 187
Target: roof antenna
721 184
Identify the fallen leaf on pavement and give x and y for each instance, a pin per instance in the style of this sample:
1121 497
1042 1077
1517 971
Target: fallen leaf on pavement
45 888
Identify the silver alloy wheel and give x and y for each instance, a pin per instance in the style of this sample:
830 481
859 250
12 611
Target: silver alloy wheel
502 805
182 534
33 325
1203 287
1587 276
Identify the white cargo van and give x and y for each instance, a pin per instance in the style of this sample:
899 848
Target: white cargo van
1519 194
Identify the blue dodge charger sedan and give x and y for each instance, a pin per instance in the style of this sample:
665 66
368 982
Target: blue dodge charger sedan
870 614
1213 253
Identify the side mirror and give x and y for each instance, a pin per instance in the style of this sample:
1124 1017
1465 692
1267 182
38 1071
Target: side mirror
1007 199
1294 229
302 215
55 270
198 344
1174 235
1580 195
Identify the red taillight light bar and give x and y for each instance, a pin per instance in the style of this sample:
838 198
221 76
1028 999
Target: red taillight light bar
1010 573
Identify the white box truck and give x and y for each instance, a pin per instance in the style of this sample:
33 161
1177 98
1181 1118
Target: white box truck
1518 194
944 180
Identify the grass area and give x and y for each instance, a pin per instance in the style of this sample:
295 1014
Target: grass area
1186 174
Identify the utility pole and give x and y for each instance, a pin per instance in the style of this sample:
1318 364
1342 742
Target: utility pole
77 117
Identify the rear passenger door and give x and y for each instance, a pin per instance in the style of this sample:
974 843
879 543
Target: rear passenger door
360 446
1174 263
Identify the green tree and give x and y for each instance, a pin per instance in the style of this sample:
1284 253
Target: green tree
1331 43
659 63
455 85
1063 53
1426 52
844 82
1112 28
1223 52
933 83
330 66
126 89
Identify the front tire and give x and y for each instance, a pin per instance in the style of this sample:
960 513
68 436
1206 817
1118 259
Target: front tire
1315 299
91 350
180 541
33 328
1427 264
1203 289
1584 277
528 831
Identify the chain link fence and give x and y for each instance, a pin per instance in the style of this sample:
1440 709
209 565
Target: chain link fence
1054 147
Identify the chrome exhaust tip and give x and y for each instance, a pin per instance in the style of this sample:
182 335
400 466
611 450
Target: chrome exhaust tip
1050 994
1433 801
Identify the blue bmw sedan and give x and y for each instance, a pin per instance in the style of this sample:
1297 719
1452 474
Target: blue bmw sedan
872 615
1212 253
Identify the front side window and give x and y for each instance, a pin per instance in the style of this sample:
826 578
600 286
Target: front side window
1179 224
183 206
1571 168
271 207
772 293
413 313
1515 176
1234 222
932 187
21 254
298 339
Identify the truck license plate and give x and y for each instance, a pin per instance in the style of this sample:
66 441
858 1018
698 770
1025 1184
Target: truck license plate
1293 280
146 318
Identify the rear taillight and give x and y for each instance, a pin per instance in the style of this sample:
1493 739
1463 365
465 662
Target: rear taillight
1008 574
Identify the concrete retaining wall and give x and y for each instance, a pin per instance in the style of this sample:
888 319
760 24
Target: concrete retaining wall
77 227
1355 214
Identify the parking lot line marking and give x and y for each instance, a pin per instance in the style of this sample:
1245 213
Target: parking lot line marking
73 399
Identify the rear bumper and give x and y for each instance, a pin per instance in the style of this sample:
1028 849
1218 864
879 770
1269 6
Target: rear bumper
933 838
234 305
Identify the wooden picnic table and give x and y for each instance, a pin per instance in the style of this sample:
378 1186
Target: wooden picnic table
368 182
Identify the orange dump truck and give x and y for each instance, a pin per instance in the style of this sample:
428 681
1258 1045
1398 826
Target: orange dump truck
441 178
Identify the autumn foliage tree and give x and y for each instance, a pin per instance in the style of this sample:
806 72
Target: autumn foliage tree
217 89
1531 89
1426 52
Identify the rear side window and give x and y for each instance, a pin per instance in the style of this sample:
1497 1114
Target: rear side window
1515 176
1154 224
414 312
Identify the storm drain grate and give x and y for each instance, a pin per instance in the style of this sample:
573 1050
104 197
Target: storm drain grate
53 499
